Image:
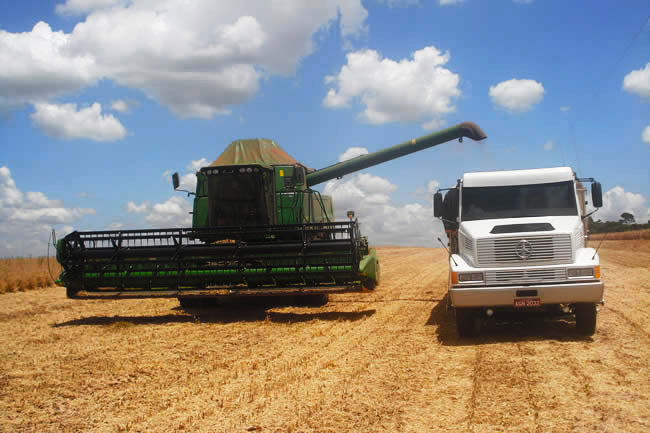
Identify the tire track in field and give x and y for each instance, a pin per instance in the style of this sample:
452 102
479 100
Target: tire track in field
475 389
631 323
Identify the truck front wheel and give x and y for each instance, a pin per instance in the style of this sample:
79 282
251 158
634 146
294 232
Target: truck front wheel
586 318
464 322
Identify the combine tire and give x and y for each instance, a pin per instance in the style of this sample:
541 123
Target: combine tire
464 322
586 318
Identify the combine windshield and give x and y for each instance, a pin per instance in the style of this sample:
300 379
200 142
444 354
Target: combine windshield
518 201
237 199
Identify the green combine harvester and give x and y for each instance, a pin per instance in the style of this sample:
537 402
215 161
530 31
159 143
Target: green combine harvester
258 228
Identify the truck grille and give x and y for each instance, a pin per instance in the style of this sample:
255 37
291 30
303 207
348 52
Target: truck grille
524 276
466 244
550 249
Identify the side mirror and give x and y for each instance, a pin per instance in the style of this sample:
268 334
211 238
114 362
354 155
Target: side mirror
437 205
176 181
596 194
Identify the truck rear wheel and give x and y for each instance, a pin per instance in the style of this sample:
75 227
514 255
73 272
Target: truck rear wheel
586 318
464 322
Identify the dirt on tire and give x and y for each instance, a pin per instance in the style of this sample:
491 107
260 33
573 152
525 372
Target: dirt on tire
390 361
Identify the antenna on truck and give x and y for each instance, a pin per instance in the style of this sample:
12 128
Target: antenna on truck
448 252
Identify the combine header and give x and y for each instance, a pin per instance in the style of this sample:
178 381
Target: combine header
257 229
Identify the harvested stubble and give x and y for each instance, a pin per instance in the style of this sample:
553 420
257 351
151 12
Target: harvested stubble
19 274
389 361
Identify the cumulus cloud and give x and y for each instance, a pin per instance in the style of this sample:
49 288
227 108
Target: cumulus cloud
638 81
175 212
617 200
123 106
548 145
384 222
39 64
188 179
426 193
565 108
65 121
132 207
114 226
405 91
197 58
645 135
27 218
517 96
352 152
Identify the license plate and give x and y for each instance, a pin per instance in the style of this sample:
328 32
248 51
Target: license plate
527 302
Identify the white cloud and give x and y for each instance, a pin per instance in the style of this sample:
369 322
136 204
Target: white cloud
523 2
175 212
114 226
195 165
645 135
638 81
132 207
198 58
426 193
517 96
384 222
450 2
565 108
352 152
617 200
417 90
65 121
39 65
188 180
26 219
548 145
122 105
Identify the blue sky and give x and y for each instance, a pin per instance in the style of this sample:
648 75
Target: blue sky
101 99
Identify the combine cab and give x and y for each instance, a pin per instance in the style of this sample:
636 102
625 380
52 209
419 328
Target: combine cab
258 228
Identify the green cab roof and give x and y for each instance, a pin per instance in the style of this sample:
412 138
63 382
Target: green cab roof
262 151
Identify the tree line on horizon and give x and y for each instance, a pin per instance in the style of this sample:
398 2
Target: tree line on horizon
626 223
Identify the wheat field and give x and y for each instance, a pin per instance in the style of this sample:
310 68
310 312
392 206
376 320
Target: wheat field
389 361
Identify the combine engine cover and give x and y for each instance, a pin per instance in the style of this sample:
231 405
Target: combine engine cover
318 258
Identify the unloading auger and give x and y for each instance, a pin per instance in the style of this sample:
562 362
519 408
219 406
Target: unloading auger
258 228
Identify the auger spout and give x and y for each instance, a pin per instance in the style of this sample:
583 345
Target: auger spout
465 129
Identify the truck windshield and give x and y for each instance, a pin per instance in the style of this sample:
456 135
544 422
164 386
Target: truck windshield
518 201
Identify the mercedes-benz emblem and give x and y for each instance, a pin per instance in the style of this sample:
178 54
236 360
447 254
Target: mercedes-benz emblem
524 249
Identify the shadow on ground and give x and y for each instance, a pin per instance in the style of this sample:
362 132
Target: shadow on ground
506 330
230 312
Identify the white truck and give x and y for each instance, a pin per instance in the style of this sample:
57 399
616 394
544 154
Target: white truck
518 243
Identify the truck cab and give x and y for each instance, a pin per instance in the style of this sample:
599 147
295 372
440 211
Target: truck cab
518 242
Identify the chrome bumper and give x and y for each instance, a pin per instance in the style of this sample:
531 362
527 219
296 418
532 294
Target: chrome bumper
493 296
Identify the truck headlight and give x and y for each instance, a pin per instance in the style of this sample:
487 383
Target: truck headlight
464 277
581 272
